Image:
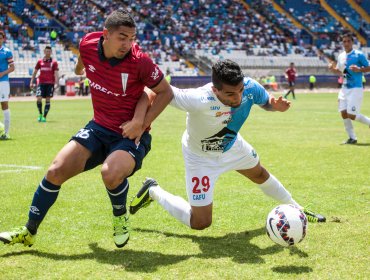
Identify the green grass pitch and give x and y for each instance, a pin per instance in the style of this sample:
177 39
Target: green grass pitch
300 147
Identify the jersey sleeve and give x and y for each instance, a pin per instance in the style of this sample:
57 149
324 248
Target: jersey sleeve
9 57
38 65
186 99
363 61
260 95
150 73
55 66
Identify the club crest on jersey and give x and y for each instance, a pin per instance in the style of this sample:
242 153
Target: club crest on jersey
91 68
124 78
155 74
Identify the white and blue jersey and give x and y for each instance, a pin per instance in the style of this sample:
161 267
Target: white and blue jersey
212 127
6 58
351 79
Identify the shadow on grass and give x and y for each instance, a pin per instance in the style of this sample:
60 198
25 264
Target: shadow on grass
236 246
291 269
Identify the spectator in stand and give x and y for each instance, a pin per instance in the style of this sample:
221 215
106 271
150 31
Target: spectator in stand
62 85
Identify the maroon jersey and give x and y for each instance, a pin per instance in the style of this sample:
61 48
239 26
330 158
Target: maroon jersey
116 84
291 73
47 69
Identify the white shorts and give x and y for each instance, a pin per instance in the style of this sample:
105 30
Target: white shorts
350 99
4 91
202 172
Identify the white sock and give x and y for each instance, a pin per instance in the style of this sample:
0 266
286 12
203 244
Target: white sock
273 188
349 128
363 119
175 205
6 120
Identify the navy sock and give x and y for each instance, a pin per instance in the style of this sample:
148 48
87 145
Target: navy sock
44 197
39 106
47 108
118 198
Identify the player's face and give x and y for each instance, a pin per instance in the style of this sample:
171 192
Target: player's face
118 42
47 53
230 95
347 44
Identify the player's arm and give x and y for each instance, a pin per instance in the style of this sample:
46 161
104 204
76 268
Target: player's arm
281 104
10 69
34 73
164 95
134 128
79 68
56 74
333 68
362 69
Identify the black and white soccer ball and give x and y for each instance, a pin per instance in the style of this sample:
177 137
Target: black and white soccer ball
286 225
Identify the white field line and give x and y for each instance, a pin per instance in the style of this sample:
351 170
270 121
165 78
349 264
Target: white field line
18 168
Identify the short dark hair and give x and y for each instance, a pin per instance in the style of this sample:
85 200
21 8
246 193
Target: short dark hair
119 18
47 48
347 35
2 33
226 72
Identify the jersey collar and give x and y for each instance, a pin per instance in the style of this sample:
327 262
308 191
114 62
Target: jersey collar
112 61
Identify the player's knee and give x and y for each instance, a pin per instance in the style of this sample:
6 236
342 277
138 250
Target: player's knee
111 178
344 114
200 224
352 117
55 173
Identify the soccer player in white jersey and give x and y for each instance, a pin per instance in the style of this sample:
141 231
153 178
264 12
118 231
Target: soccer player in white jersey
6 67
351 64
212 145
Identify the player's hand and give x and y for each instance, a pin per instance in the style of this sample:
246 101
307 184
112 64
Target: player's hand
1 74
32 85
281 104
132 130
331 66
355 68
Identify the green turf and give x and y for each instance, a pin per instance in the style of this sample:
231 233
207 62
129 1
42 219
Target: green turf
300 147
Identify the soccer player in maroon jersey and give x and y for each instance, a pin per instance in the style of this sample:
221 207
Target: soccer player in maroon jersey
291 74
118 72
48 78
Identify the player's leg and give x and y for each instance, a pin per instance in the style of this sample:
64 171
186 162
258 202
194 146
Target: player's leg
354 107
39 101
4 98
342 108
49 94
69 162
292 89
124 160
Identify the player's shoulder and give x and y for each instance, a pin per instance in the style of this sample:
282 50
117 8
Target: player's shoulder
6 49
138 54
91 38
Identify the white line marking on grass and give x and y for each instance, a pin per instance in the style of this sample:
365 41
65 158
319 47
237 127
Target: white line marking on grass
18 168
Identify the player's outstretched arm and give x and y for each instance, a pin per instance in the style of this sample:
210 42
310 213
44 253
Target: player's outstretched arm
281 104
362 69
79 68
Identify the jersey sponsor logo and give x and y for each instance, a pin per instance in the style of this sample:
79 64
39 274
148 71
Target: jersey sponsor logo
103 89
124 78
228 120
155 74
219 114
209 98
219 141
91 68
215 108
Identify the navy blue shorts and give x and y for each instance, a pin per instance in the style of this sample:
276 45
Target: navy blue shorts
292 83
101 142
45 90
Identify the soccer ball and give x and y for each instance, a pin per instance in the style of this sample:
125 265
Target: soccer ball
2 129
286 225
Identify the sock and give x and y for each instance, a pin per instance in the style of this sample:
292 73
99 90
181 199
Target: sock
6 120
44 197
273 188
175 205
363 119
39 106
47 108
349 128
287 93
118 198
293 94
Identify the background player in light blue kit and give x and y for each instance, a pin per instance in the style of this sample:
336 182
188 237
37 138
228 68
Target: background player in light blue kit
6 67
351 64
212 145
